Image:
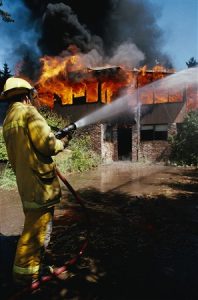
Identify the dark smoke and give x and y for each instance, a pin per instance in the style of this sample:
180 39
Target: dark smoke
101 25
61 28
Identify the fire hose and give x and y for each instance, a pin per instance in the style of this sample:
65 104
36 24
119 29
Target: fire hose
35 285
73 260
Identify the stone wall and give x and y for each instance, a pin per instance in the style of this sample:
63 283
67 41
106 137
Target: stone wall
115 143
109 148
135 148
94 132
156 150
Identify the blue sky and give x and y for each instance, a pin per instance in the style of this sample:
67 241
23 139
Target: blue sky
15 37
178 20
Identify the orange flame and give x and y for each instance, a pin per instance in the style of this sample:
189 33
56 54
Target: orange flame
67 78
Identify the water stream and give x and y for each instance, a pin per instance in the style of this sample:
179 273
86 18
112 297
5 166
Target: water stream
127 103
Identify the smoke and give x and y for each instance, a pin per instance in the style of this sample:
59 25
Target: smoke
61 28
18 38
102 25
119 32
127 54
136 20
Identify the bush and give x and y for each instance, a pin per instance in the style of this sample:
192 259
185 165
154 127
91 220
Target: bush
7 178
54 120
3 152
184 146
81 158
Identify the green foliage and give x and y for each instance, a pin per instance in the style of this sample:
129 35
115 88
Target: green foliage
81 158
5 73
3 152
6 17
54 120
192 63
185 143
7 178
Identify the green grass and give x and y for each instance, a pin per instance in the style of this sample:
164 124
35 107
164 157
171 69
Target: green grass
7 178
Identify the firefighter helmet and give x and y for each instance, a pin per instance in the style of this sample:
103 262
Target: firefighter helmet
15 86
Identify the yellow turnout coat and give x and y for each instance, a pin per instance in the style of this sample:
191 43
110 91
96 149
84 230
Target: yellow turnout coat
30 144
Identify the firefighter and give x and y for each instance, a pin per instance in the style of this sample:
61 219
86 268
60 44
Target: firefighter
30 145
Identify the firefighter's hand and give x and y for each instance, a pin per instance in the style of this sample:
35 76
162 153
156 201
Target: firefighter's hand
66 140
69 135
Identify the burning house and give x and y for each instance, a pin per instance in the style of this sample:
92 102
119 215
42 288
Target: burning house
139 120
86 59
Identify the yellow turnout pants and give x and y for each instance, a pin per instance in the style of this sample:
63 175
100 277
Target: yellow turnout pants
34 239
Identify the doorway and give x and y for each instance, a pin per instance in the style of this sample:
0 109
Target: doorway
124 143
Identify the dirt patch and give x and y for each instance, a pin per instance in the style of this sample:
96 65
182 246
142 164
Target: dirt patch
141 246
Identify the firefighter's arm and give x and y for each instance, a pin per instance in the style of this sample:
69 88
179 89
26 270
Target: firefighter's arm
41 135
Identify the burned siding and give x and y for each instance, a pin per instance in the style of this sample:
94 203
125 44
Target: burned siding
163 113
105 136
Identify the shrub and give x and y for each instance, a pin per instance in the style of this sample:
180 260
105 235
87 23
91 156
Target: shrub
3 152
7 178
184 146
81 158
54 120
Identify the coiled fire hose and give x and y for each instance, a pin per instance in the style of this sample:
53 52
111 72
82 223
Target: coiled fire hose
35 285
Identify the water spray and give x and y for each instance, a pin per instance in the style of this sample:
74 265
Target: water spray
130 102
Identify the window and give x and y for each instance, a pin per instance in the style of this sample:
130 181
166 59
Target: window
108 133
154 132
147 132
161 132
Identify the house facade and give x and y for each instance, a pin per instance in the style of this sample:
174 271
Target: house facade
141 136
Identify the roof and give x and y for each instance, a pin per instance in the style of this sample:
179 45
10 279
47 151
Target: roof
163 113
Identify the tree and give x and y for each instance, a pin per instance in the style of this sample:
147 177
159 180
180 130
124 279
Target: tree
185 143
6 17
4 75
192 63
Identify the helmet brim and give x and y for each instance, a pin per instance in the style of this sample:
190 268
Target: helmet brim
14 92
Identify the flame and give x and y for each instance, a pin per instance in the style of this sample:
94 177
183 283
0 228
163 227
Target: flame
68 77
58 79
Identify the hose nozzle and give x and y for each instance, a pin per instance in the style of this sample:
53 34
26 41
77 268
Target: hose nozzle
65 131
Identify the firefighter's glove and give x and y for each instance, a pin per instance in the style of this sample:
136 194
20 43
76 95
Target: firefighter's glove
70 135
66 140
